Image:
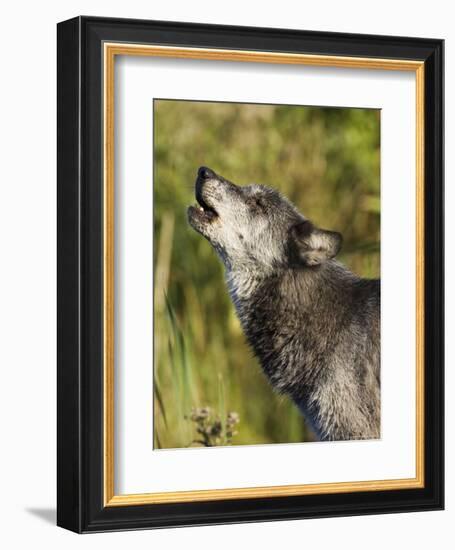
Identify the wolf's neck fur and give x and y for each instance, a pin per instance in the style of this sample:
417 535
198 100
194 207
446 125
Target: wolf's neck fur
297 321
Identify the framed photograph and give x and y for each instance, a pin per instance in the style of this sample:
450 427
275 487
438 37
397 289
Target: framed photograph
250 274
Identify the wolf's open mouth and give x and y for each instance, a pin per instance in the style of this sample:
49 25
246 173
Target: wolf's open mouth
203 208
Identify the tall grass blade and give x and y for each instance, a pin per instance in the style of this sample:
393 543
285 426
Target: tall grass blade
160 401
222 403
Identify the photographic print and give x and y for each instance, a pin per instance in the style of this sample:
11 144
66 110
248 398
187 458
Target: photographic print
250 274
266 274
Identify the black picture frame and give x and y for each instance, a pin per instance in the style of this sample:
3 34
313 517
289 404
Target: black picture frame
80 474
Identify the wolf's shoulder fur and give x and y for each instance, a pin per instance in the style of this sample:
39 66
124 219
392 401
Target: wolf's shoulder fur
316 334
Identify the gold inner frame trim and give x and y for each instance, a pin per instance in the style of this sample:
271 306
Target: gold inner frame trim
109 52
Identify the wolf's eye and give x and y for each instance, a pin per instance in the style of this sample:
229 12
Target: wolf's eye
257 201
256 204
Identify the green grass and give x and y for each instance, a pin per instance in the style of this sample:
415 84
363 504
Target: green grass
327 162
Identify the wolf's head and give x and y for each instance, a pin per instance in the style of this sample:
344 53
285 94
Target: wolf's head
255 226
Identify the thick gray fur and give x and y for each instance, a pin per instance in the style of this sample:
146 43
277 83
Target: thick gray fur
313 324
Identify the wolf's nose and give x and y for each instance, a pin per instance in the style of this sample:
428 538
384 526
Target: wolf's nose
205 173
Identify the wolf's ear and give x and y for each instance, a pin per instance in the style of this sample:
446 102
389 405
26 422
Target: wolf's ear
312 246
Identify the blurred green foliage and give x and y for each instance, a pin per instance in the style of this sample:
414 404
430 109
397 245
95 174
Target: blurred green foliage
326 161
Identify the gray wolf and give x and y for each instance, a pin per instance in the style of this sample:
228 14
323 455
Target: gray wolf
313 324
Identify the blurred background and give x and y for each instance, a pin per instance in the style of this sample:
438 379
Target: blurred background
208 387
